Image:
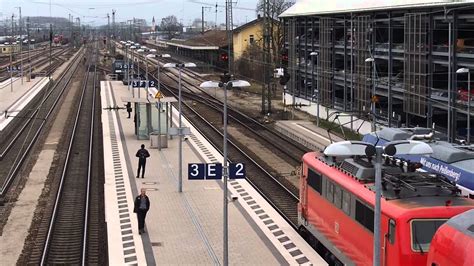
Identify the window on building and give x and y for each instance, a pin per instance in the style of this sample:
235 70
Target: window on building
251 39
364 215
314 180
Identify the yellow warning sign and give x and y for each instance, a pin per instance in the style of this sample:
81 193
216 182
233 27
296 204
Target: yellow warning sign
158 95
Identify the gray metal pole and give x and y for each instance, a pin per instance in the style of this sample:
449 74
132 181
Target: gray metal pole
146 76
317 101
138 72
180 159
449 83
29 43
373 95
11 57
21 49
226 224
378 195
469 107
159 105
128 67
159 124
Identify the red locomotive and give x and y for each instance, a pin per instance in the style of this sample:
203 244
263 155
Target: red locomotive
336 209
453 243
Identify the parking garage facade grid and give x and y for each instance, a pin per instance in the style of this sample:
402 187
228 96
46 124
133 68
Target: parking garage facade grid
331 58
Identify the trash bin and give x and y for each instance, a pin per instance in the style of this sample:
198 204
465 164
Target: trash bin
154 140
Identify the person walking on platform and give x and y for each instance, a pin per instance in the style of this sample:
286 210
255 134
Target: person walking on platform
129 108
142 154
141 207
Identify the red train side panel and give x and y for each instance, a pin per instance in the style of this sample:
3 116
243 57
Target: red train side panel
453 243
337 209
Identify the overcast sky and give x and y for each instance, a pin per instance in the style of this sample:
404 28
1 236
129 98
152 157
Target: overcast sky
95 11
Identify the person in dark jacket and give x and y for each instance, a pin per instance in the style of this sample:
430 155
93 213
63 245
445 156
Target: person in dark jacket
142 154
129 108
141 207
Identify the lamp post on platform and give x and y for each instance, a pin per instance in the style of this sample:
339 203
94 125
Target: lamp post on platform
466 70
132 47
360 148
225 83
138 68
127 45
180 66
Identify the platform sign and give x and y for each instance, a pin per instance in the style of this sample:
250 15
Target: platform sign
204 171
158 95
236 170
143 83
13 68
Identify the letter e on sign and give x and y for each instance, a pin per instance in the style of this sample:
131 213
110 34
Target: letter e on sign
236 170
196 171
213 171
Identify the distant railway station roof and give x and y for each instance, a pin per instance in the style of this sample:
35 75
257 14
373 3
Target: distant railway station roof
210 40
313 7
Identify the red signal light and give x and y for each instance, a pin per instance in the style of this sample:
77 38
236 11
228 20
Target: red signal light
224 57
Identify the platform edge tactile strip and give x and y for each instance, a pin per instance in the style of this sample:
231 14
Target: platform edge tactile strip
114 166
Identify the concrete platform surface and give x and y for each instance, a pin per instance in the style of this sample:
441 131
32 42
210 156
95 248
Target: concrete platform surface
185 228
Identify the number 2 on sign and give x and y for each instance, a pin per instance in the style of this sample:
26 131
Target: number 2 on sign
240 169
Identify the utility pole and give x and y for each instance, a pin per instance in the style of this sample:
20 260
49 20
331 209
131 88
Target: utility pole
229 58
266 56
21 45
108 30
113 23
202 17
50 49
11 56
29 44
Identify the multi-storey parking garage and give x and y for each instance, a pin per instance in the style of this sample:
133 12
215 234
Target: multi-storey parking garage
341 53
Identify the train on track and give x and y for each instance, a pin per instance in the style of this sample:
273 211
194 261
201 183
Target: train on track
454 161
336 208
453 243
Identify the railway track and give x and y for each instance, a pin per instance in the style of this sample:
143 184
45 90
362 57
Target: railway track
19 137
35 63
74 233
205 113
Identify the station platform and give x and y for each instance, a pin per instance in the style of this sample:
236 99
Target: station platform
306 133
186 227
15 98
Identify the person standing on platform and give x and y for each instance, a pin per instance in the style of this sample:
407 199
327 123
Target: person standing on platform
141 207
129 108
142 154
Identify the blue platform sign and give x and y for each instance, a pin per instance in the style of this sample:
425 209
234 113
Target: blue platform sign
237 170
203 171
143 83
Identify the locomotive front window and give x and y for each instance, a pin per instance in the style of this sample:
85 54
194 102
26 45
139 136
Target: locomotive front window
422 231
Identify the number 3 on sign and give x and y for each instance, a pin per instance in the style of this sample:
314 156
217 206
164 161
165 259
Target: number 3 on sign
196 171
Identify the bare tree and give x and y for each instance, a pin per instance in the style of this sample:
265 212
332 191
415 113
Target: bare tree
276 28
171 26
